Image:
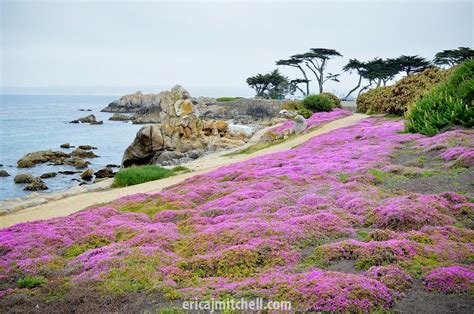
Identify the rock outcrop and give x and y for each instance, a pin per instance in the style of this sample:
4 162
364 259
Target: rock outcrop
91 119
32 159
176 135
120 117
36 185
146 108
133 102
56 158
180 136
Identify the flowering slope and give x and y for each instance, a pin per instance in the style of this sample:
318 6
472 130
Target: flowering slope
316 119
269 227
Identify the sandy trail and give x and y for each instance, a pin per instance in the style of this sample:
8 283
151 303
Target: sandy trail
72 204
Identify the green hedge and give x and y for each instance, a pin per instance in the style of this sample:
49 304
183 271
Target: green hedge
317 103
451 103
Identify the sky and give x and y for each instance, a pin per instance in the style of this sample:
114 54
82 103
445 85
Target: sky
208 47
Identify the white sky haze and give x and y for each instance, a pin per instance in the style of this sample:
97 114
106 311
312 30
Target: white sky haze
72 46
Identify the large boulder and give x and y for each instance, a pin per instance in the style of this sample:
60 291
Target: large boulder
299 124
179 132
4 173
24 178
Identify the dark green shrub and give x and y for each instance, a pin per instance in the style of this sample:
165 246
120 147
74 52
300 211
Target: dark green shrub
335 101
317 103
451 103
141 174
306 113
30 282
396 99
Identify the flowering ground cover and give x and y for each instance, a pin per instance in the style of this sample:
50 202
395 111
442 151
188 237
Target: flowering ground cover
273 227
316 119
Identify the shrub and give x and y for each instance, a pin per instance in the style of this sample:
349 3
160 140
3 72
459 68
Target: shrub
306 113
451 103
398 98
317 103
141 174
31 281
335 101
374 100
293 105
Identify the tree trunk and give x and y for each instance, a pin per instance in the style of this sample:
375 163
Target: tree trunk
355 88
306 78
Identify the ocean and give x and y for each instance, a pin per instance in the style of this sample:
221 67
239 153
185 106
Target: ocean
31 123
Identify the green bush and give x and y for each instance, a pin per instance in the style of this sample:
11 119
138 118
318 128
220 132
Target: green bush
228 98
30 282
335 101
317 103
396 99
141 174
293 105
451 103
306 113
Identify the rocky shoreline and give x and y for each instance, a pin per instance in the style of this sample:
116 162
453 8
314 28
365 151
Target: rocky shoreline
178 129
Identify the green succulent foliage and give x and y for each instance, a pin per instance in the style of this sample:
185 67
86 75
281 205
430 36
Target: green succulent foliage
306 113
451 103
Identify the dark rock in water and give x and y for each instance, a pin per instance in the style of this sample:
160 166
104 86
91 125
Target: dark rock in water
104 173
113 166
97 122
24 178
91 119
66 145
87 175
75 179
48 175
120 117
36 185
85 109
69 172
83 183
4 173
78 163
86 147
44 156
83 153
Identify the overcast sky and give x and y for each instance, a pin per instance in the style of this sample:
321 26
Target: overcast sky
58 44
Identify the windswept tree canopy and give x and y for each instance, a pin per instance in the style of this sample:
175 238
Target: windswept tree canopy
272 85
296 63
454 56
412 64
378 71
316 60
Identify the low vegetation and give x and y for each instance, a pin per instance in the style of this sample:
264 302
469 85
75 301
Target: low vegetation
141 174
397 98
450 103
228 98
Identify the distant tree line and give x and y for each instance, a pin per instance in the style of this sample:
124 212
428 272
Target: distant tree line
372 73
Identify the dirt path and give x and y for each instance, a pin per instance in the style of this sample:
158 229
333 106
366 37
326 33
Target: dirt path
72 204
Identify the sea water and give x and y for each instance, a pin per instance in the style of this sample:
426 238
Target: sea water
31 123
